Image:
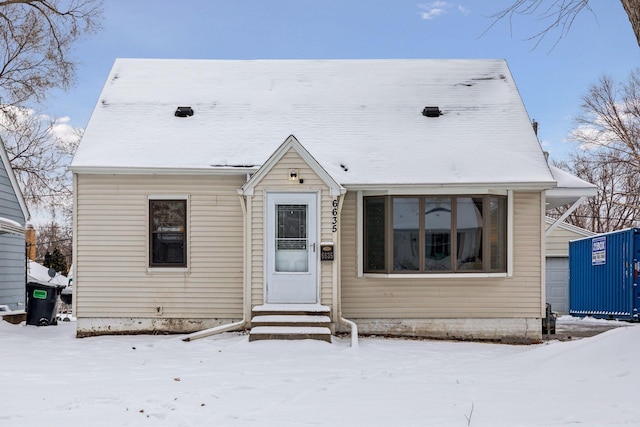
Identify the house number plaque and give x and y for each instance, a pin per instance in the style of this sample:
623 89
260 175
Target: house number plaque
334 216
326 251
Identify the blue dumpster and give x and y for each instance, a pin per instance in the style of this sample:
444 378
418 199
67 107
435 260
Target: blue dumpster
603 275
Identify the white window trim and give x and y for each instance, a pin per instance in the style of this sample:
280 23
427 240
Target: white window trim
360 240
168 269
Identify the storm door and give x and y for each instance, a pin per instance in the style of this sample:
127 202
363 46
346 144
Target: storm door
291 248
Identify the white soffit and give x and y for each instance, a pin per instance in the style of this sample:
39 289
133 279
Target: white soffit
569 189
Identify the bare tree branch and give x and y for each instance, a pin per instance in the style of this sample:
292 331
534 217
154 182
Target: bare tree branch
36 40
608 131
38 157
36 37
558 16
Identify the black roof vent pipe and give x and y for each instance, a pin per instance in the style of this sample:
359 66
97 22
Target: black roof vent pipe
431 112
184 112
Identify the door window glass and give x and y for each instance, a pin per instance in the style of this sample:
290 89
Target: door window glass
292 246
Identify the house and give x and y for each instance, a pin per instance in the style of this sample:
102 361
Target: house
404 197
39 273
557 263
13 217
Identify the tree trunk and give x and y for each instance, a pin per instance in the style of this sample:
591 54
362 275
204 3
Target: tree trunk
632 7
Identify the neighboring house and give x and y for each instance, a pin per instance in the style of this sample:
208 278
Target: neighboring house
407 196
13 217
39 273
557 263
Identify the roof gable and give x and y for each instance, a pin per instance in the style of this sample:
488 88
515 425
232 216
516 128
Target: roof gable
578 231
291 143
360 119
14 183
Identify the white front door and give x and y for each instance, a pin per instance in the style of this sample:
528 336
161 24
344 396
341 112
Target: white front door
291 225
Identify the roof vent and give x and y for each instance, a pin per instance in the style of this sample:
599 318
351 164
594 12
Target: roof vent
184 112
431 112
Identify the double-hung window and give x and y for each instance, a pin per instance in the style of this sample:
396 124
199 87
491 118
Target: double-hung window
168 233
435 234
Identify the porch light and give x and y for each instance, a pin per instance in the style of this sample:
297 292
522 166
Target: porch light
431 112
293 175
184 112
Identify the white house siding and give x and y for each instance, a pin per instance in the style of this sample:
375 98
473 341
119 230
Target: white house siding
458 307
557 243
115 291
277 180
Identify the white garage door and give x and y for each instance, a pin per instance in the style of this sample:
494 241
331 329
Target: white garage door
557 284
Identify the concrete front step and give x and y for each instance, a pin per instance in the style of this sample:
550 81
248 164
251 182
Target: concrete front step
291 320
290 309
290 333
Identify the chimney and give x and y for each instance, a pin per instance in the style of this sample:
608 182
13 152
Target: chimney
30 237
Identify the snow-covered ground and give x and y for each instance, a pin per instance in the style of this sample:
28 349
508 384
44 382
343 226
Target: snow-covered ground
48 377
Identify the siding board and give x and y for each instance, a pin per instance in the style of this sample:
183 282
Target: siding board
113 279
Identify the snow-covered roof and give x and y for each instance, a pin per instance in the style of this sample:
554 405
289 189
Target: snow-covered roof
570 188
360 119
40 273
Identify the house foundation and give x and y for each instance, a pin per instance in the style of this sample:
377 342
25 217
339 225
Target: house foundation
503 330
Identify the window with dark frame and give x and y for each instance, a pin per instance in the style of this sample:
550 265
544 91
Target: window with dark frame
168 226
435 234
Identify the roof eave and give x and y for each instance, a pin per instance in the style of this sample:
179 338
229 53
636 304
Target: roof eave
126 170
10 227
523 186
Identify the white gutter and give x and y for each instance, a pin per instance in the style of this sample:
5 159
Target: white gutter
245 292
450 187
337 296
136 170
10 226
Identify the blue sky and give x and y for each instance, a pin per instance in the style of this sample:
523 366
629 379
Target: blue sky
551 79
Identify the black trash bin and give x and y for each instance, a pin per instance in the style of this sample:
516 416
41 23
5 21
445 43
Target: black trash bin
42 303
549 321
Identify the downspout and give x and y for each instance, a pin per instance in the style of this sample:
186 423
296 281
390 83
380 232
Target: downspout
245 291
337 290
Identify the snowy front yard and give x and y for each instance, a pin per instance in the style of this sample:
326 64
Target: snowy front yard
49 377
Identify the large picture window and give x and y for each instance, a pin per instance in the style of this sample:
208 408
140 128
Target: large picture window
443 234
168 226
